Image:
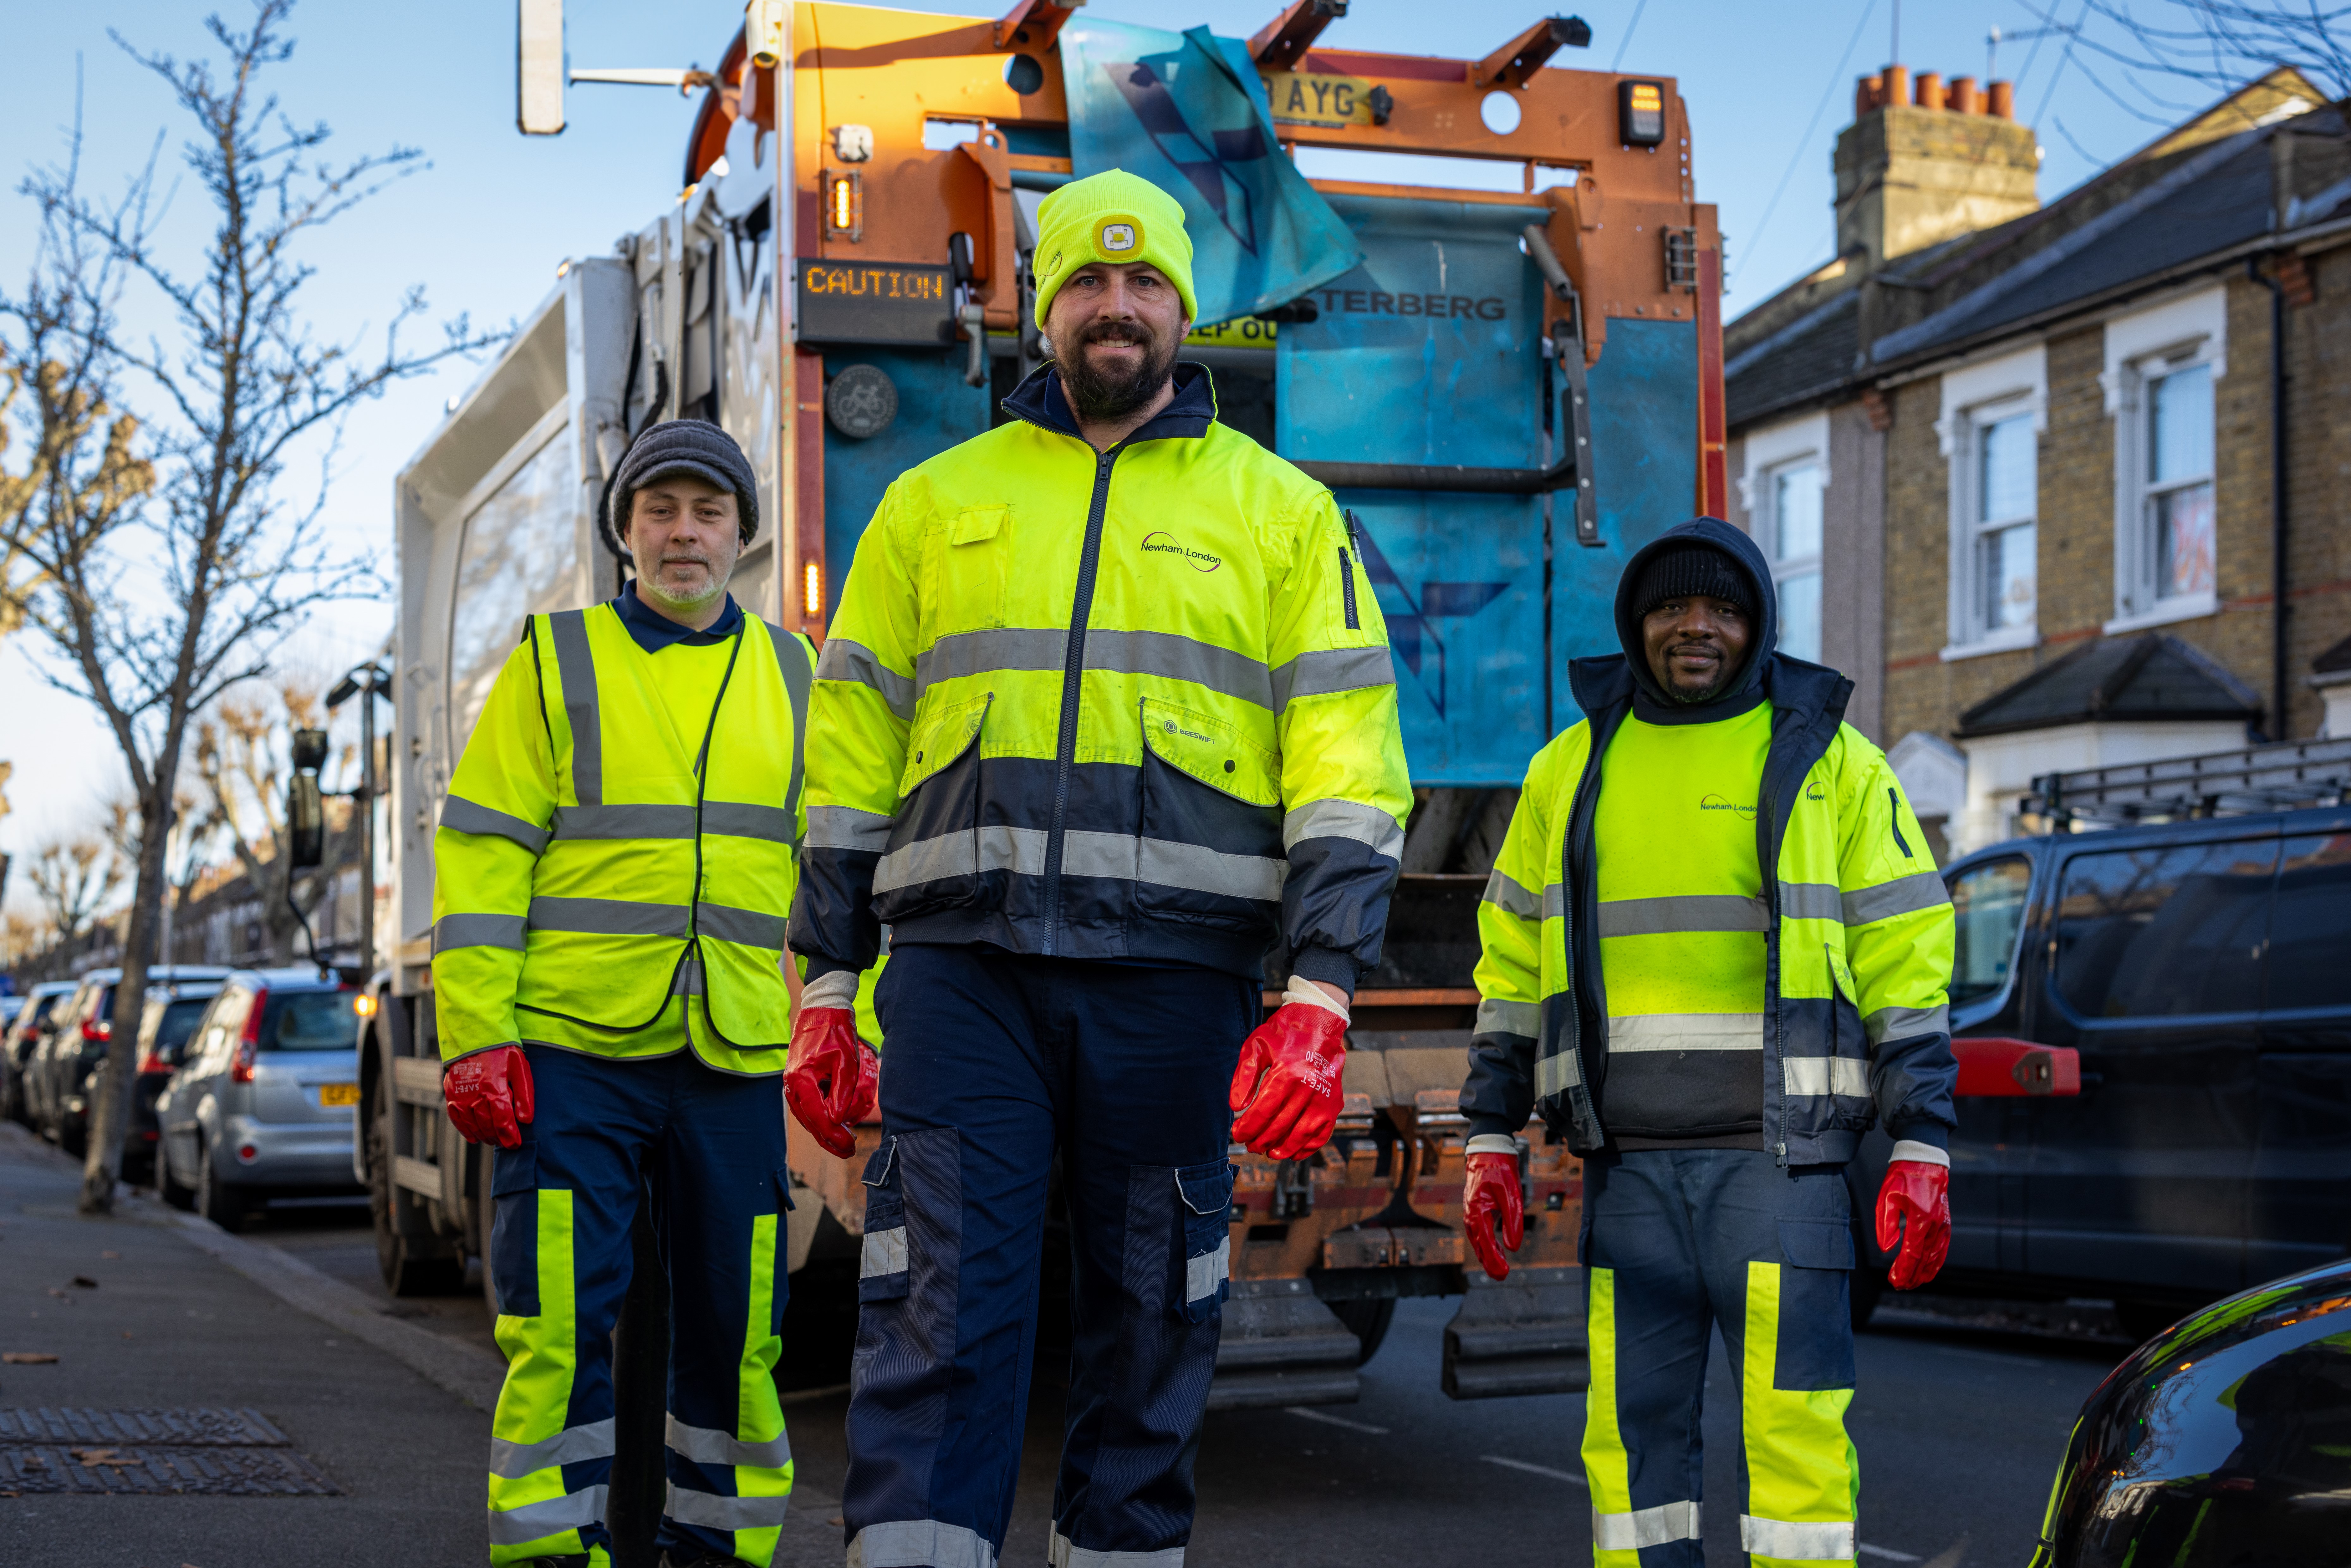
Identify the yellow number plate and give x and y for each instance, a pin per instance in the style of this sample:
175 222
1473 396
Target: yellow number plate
1299 97
333 1094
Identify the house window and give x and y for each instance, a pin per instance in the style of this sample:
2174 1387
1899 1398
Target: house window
2177 510
2002 555
1793 528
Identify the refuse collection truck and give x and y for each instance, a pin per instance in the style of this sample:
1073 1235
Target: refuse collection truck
1510 391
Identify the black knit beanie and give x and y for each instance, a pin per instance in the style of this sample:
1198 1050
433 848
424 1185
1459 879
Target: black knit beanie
693 446
1690 569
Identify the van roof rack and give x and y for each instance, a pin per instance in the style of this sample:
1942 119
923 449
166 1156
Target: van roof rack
2280 776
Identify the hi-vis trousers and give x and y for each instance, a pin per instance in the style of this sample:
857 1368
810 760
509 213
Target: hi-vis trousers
710 1148
991 1063
1676 1241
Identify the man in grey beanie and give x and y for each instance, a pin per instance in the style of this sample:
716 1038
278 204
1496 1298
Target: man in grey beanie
683 507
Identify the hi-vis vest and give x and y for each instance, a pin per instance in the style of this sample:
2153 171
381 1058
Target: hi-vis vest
666 859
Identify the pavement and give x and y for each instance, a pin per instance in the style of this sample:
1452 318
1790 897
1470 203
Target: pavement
1961 1414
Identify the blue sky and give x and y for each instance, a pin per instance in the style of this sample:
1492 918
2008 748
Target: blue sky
483 227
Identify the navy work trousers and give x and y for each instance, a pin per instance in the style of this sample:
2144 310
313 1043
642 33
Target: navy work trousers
710 1145
1677 1243
992 1063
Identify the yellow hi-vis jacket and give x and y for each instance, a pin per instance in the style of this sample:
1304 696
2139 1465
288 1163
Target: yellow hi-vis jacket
1858 930
614 880
1133 705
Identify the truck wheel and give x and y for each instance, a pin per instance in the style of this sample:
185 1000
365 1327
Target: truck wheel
406 1270
224 1205
1367 1321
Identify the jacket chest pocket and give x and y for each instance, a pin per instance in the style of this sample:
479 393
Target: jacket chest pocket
965 574
1211 816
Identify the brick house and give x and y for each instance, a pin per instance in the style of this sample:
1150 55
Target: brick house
2015 464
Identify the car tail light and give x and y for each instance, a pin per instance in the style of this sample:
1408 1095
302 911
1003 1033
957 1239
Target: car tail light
96 1032
153 1062
247 1153
242 1072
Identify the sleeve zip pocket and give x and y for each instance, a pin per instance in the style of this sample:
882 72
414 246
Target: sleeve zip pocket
1347 587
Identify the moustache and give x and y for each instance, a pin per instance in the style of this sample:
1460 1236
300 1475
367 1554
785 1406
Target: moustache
1709 649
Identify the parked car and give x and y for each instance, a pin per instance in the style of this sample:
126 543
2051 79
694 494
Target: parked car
17 1042
74 1047
261 1108
172 1012
2203 970
2225 1439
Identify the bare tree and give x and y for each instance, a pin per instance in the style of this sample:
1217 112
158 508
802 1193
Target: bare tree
244 758
246 387
75 880
24 937
2214 44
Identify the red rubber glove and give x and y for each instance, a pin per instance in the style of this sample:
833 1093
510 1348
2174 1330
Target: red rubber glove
831 1077
489 1095
1490 1193
1288 1090
1915 1205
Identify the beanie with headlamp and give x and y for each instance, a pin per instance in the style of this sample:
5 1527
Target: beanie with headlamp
1111 217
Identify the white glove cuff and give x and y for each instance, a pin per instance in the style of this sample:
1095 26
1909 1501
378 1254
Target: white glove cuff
1925 1154
1492 1144
1304 990
836 989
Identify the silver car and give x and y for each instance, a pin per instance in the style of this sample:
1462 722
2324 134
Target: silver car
261 1107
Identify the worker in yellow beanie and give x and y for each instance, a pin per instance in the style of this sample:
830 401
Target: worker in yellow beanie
1105 719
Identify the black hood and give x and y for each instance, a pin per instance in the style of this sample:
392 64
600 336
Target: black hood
1748 687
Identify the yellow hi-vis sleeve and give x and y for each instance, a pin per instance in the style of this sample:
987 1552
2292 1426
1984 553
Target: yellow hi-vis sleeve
496 820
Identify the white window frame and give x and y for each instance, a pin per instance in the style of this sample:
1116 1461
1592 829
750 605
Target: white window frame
1768 453
1975 395
2142 348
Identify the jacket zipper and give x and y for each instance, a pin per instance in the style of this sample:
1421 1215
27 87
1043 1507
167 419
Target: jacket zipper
1347 587
1072 673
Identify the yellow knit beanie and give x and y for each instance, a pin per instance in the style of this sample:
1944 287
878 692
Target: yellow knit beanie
1112 216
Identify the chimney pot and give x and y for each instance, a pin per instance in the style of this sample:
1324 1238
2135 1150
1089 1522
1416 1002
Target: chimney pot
1897 85
2004 101
1962 97
1930 89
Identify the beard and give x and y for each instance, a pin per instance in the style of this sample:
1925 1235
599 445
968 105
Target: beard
680 598
1107 396
1726 669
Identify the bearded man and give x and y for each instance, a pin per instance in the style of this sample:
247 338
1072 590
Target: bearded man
1104 725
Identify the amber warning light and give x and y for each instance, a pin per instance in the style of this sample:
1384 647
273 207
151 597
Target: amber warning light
1641 112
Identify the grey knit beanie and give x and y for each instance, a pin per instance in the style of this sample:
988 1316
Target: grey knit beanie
1690 569
693 446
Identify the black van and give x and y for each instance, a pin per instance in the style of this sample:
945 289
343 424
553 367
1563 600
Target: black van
2201 968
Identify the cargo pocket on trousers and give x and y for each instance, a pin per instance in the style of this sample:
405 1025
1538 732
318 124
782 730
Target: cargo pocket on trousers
882 1275
1815 1338
1207 1194
514 1230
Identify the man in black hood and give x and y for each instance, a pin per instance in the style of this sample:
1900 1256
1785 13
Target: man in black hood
1715 950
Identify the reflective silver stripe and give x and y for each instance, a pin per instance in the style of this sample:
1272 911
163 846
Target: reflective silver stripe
706 1446
1496 1016
1826 1075
1902 1023
688 981
712 1512
740 820
751 927
1808 1542
858 665
1683 916
1556 1075
1062 1554
1810 901
640 822
1109 651
1344 820
537 1520
454 930
1163 863
512 1460
1510 898
1655 1526
919 1543
1204 1273
1329 670
1910 894
885 1253
985 653
607 917
846 828
792 659
463 816
1686 1031
577 666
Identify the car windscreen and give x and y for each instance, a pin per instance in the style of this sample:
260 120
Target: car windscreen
1987 907
311 1020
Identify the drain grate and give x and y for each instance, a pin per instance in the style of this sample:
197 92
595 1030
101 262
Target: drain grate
209 1451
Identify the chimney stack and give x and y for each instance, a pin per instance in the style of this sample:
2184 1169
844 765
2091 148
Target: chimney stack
1920 166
